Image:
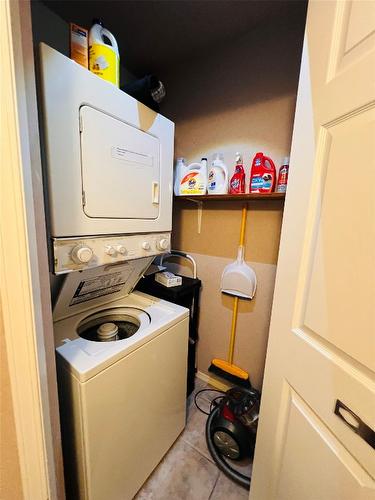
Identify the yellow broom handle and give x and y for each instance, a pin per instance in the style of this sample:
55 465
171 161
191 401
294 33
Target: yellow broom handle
235 305
233 331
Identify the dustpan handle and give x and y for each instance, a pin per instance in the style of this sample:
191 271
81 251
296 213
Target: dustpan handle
241 254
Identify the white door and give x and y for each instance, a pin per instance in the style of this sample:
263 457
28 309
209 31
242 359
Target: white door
321 352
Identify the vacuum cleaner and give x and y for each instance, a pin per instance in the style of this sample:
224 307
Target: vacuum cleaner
231 430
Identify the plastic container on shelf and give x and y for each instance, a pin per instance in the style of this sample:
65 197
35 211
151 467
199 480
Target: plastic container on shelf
237 182
179 172
283 176
262 175
217 182
194 180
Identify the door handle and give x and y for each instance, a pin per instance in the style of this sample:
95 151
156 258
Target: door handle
355 423
155 193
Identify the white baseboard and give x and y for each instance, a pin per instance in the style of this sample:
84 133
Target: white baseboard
222 386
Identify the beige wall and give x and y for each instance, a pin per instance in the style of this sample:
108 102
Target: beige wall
235 98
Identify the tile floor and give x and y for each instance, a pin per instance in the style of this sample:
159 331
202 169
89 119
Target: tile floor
188 472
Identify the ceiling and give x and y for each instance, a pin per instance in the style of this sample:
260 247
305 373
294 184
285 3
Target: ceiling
153 35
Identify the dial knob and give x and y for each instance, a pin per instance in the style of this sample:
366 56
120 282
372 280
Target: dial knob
162 244
82 254
146 245
109 250
121 250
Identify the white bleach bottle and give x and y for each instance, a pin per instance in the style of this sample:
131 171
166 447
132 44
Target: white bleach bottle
179 172
217 176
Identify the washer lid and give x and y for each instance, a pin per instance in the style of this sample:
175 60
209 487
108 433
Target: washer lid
83 290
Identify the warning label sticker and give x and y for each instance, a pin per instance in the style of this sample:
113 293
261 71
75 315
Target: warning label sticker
104 284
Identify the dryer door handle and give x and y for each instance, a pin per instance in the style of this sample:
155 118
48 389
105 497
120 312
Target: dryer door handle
155 193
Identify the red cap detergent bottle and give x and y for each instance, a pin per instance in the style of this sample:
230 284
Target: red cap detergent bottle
237 182
263 174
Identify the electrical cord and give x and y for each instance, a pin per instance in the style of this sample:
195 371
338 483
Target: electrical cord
213 403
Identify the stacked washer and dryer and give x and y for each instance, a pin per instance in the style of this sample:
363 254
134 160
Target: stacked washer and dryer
121 355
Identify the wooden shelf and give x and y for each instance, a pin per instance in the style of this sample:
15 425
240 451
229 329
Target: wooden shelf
232 197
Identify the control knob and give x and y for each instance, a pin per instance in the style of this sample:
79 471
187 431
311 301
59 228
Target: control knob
82 254
162 244
109 250
121 249
146 245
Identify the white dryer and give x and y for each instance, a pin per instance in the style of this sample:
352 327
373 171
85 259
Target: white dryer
109 167
122 402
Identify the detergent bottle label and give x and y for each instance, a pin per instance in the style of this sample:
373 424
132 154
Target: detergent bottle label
256 183
103 61
261 183
192 184
211 181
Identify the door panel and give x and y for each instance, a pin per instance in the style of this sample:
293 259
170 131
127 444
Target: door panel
327 376
360 23
332 472
322 334
120 168
342 259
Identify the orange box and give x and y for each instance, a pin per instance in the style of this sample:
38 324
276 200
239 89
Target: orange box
79 46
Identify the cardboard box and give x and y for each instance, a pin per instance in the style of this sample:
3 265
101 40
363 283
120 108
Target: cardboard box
79 45
168 279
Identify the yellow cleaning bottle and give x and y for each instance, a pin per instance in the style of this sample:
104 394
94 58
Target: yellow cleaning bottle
104 58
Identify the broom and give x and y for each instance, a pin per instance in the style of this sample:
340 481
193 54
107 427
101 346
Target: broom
239 280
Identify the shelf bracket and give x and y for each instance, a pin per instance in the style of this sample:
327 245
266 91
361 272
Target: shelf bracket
199 213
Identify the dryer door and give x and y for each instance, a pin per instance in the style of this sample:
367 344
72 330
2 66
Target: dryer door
120 168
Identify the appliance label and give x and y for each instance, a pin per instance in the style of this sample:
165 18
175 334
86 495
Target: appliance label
104 284
123 154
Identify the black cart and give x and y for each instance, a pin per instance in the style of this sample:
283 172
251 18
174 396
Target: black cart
186 295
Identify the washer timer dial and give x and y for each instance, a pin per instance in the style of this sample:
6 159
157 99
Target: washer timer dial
162 244
82 254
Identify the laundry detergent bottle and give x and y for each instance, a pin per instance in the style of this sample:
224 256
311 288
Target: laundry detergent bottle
217 176
237 182
263 174
179 172
194 180
104 59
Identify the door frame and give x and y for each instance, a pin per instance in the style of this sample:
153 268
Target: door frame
24 272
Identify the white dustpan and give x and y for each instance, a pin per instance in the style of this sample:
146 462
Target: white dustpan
238 278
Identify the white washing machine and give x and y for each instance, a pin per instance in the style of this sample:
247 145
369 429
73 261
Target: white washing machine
122 399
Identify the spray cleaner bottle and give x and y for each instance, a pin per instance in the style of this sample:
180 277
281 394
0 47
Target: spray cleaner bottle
237 182
283 176
104 58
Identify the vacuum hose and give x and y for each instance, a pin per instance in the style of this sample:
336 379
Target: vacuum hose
223 465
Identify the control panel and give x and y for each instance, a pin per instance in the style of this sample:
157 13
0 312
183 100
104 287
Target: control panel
73 254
